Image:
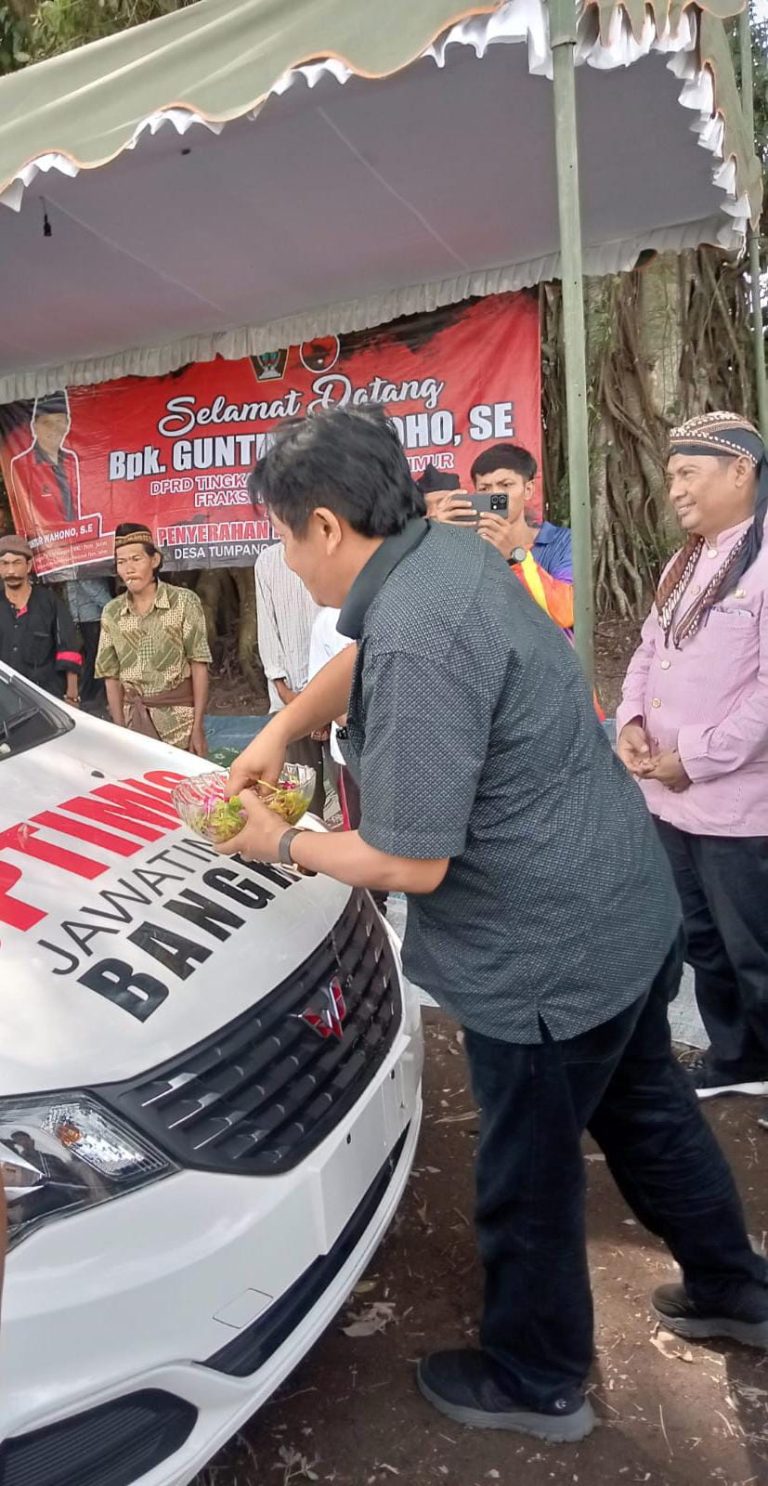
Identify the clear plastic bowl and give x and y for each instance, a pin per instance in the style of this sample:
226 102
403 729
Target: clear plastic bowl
201 804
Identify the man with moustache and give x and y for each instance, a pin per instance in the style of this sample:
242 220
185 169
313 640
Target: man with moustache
37 632
693 729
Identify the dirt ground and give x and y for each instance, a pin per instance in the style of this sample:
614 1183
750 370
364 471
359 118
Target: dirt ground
669 1413
231 696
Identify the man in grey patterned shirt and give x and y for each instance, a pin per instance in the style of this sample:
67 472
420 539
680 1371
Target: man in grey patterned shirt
541 913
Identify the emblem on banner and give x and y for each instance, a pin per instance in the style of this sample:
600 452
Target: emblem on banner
320 354
329 1017
269 366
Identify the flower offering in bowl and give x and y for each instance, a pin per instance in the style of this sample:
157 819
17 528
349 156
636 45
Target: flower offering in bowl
291 797
201 803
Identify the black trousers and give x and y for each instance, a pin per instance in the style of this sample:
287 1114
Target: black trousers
723 885
621 1082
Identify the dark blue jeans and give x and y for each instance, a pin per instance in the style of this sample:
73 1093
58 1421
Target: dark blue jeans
723 887
621 1082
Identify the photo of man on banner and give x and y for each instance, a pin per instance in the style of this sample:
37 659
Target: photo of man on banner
45 478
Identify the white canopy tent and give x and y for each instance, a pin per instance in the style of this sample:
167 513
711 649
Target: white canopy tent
349 201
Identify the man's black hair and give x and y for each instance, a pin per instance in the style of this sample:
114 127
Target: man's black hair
505 457
347 459
52 402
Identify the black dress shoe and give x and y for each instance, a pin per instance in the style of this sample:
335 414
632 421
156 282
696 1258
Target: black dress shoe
466 1386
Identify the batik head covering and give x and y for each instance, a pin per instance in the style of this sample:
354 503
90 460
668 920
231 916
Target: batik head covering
721 434
129 533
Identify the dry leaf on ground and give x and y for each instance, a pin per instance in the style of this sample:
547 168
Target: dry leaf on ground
373 1318
671 1347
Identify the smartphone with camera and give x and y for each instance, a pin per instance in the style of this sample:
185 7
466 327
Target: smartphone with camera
491 503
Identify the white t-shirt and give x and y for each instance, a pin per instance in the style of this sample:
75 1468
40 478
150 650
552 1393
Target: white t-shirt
325 642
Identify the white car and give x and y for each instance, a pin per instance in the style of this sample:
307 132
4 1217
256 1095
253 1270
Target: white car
210 1098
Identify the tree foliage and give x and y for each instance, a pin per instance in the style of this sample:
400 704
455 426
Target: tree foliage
760 73
14 38
48 27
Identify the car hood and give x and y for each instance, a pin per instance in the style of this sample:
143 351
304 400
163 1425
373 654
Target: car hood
124 939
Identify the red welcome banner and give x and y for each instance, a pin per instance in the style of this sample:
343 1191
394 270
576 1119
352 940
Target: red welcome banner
175 452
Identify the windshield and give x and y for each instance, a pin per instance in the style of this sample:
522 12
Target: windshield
26 718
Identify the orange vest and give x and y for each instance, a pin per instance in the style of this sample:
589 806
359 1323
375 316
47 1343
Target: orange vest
554 596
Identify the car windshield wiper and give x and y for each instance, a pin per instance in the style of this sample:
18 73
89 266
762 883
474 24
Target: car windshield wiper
9 724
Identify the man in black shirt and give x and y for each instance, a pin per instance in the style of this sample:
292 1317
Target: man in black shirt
37 632
541 913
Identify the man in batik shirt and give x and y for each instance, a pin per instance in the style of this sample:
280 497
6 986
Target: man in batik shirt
154 653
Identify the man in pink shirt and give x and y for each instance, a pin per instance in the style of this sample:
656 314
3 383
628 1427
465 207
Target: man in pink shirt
693 729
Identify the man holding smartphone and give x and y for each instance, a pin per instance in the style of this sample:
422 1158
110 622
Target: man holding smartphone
503 479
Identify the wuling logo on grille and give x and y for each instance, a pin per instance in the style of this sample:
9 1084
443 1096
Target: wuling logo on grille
328 1020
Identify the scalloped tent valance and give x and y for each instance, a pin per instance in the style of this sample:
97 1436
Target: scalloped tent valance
243 174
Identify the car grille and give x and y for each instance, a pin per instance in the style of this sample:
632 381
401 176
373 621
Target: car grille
264 1091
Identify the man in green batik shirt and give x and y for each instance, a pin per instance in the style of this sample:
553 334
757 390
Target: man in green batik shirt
153 652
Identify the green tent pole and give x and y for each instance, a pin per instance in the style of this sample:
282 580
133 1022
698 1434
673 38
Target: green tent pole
753 234
562 36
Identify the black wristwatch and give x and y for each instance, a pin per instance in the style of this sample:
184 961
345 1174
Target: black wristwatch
284 851
284 846
519 554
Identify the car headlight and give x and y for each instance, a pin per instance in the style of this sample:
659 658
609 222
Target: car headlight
60 1153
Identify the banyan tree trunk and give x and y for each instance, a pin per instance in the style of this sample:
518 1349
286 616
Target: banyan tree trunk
228 598
247 632
211 588
665 342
